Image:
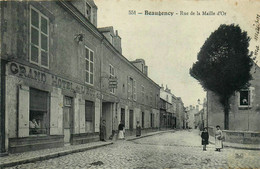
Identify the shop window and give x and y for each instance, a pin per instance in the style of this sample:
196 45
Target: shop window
39 38
38 118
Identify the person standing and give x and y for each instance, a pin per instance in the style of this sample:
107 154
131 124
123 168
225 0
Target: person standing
34 127
103 131
121 134
218 139
205 138
138 129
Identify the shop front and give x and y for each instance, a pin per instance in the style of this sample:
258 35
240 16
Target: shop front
45 110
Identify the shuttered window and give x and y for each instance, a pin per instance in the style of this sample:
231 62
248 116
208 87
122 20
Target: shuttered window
131 91
39 38
112 75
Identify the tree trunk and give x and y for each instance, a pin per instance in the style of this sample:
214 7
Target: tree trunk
226 112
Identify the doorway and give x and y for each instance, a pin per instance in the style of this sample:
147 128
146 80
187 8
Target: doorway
131 119
122 116
67 119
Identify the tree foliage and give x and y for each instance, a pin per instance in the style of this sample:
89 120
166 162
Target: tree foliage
224 63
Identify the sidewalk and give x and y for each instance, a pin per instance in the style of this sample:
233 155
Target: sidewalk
40 155
237 145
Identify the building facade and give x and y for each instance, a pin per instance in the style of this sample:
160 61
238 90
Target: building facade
167 108
57 70
180 114
243 115
192 111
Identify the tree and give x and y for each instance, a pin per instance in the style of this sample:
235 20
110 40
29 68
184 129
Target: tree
224 64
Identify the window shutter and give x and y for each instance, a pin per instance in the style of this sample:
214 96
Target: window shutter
56 114
134 90
23 114
82 116
128 88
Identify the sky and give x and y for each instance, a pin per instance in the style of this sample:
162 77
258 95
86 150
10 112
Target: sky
170 44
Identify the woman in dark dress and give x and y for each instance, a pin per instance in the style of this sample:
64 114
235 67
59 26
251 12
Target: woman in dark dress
205 138
103 131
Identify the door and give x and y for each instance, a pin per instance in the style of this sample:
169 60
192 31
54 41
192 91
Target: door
131 119
123 116
151 120
67 119
142 119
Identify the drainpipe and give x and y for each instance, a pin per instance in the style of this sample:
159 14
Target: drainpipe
100 82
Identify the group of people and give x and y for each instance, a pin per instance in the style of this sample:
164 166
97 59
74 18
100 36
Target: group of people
121 130
204 135
218 138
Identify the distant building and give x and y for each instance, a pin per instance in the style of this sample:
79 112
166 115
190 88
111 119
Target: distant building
180 114
199 119
191 114
167 109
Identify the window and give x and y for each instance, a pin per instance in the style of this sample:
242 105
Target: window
151 98
131 89
142 93
39 38
245 97
89 66
89 111
112 75
88 11
38 118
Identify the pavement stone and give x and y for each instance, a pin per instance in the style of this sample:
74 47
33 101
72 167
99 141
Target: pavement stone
180 149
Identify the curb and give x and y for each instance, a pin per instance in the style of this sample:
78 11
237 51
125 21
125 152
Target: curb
236 147
49 156
135 138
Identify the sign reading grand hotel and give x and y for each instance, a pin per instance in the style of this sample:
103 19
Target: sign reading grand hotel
29 73
26 72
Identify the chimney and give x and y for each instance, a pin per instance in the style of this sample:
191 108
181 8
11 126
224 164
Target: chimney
146 70
162 87
117 42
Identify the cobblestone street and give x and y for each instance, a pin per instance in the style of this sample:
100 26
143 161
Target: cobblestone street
179 149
